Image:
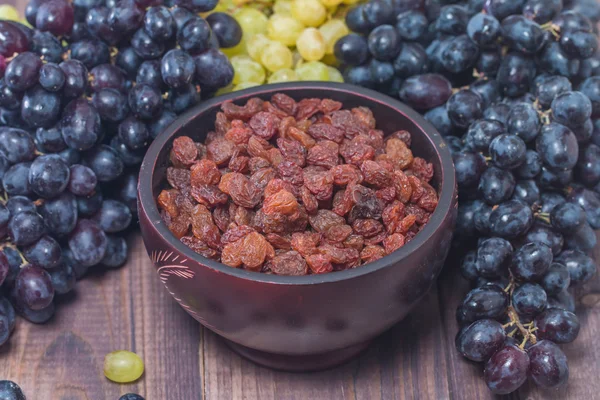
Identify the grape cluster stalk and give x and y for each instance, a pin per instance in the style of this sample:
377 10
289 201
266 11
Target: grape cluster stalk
85 86
514 87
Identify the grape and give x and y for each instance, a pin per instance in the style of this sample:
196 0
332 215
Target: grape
516 74
484 30
129 61
4 265
581 267
360 75
34 288
523 34
381 72
55 16
412 60
60 214
177 68
23 71
227 30
527 191
113 216
80 125
149 73
16 145
111 104
459 54
384 43
438 117
70 156
311 45
76 77
145 46
540 233
557 146
485 302
511 219
106 76
90 52
49 175
159 24
52 78
145 101
7 316
35 316
25 228
123 366
506 370
213 69
571 108
82 180
567 217
247 70
548 87
589 201
579 44
11 391
116 252
356 21
44 253
276 56
9 99
105 163
312 71
548 364
88 243
332 31
529 299
583 239
480 340
468 266
309 12
411 25
196 5
15 181
194 36
426 91
469 168
158 125
523 121
19 204
488 90
556 279
63 278
559 326
496 185
493 257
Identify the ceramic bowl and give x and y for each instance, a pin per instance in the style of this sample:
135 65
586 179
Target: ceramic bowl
314 321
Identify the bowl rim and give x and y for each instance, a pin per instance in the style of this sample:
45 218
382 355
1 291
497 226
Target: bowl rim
148 206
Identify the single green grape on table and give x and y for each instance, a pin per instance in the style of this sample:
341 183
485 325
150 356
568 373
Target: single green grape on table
123 366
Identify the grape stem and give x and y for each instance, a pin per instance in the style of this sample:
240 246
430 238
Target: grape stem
526 333
543 217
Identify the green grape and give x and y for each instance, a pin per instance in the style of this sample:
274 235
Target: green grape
330 59
237 50
282 7
296 58
244 85
335 75
123 366
9 13
251 20
309 12
256 44
284 29
276 56
311 45
312 71
332 30
247 70
331 3
350 2
283 75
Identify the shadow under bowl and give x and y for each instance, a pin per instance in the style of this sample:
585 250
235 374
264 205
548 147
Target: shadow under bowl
309 322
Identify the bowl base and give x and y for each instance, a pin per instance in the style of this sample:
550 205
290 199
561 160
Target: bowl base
292 363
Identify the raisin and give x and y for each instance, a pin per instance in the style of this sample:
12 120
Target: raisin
245 112
238 133
346 174
292 151
199 247
402 135
220 151
319 182
285 125
184 150
243 192
255 249
387 194
392 215
402 185
364 116
204 172
208 195
393 242
399 153
417 188
375 174
337 233
421 215
288 263
355 242
231 254
282 202
178 178
239 164
300 136
262 177
406 224
236 233
259 147
429 200
328 106
275 157
376 239
376 140
275 185
339 255
357 150
321 131
221 217
271 109
319 263
422 169
325 219
222 124
366 203
279 241
264 124
323 154
291 172
285 103
367 227
342 202
240 215
372 253
204 227
305 243
166 201
257 163
309 200
179 225
307 108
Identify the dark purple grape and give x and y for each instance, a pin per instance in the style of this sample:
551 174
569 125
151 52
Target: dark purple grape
591 89
145 101
55 16
557 146
531 167
127 191
116 252
23 71
9 99
181 15
583 239
485 302
581 267
91 52
46 45
562 301
128 156
589 201
105 163
60 214
80 125
68 260
503 8
82 180
493 257
197 5
35 316
11 391
583 132
194 36
16 180
131 396
177 68
227 30
523 34
506 370
464 220
159 24
531 261
542 11
34 288
88 206
212 69
4 267
511 219
19 204
567 217
411 25
498 112
97 24
63 278
111 104
52 78
48 175
16 145
579 44
508 151
133 133
40 108
529 299
547 87
516 74
113 216
484 30
425 92
460 54
25 228
453 20
496 185
183 98
469 168
556 279
557 325
548 365
125 17
76 77
524 121
384 43
149 74
359 75
480 340
468 266
382 72
44 253
13 40
145 46
541 233
481 219
129 61
587 169
356 20
352 49
438 117
106 76
87 243
71 156
571 108
527 191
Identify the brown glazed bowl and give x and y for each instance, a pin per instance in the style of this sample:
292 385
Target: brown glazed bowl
314 321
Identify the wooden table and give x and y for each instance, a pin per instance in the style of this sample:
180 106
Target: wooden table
129 309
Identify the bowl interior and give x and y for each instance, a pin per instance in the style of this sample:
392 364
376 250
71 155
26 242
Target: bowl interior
391 115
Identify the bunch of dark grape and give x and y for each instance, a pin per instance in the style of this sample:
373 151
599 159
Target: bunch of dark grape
82 95
514 87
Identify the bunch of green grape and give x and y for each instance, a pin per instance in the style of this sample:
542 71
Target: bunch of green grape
285 40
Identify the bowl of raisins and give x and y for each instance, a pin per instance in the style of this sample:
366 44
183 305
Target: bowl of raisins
298 220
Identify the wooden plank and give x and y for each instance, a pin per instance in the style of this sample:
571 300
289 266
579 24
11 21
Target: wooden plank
123 309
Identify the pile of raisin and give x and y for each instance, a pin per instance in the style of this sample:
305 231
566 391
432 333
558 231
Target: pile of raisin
296 188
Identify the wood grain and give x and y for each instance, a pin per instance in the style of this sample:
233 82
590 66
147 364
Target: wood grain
129 309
